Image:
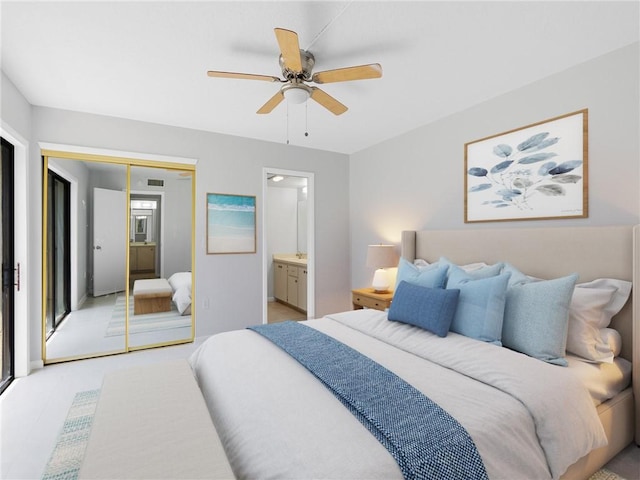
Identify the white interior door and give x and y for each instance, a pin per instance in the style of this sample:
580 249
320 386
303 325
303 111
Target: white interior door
109 241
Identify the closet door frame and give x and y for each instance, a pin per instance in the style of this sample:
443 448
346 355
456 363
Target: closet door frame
129 160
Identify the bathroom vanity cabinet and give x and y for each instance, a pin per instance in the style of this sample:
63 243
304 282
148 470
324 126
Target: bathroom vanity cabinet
290 282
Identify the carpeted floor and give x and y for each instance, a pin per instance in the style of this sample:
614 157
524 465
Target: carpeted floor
66 459
148 322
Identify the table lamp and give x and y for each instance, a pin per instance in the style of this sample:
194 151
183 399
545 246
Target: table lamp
381 257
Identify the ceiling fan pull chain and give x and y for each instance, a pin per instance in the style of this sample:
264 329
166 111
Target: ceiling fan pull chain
287 123
306 119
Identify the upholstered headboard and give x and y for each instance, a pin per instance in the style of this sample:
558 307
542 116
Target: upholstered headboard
591 252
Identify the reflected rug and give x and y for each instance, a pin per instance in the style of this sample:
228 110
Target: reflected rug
148 322
67 455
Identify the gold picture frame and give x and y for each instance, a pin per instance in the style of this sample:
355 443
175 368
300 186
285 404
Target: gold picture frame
536 172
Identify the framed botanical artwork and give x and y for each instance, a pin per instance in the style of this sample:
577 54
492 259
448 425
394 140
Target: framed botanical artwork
530 173
231 223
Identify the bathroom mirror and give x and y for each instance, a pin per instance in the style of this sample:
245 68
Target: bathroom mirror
109 224
140 224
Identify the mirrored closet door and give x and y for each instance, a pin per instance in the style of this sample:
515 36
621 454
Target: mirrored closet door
126 266
160 273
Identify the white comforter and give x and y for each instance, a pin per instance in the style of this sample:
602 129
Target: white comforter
528 419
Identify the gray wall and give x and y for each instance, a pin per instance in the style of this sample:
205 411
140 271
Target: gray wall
232 284
16 111
415 181
177 225
16 115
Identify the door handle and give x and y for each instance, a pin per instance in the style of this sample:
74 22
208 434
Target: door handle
6 277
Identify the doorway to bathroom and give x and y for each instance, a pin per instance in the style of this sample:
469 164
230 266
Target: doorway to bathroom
288 258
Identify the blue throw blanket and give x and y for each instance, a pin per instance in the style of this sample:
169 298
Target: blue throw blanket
425 440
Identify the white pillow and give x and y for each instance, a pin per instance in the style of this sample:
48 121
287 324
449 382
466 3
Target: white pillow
420 263
593 304
613 339
182 298
180 279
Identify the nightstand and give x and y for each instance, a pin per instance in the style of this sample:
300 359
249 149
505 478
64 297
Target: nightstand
368 298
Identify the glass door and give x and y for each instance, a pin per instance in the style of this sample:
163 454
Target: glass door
8 275
58 246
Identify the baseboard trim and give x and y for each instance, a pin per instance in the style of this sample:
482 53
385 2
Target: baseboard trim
35 365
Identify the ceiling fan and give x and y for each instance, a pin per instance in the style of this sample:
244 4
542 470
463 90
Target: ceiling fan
297 66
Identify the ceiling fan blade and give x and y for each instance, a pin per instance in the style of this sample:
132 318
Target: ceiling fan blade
242 76
272 103
327 101
362 72
289 48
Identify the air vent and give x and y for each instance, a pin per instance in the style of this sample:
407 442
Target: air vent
151 182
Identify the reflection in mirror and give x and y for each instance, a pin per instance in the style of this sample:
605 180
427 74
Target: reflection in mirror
85 262
160 242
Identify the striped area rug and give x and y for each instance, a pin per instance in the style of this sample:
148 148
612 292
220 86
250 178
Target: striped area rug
149 322
66 458
67 455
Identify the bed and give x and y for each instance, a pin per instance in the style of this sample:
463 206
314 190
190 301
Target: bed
277 420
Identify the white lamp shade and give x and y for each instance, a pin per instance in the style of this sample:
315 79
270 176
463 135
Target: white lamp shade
382 256
296 95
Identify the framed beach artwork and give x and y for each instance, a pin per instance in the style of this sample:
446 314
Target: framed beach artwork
231 223
530 173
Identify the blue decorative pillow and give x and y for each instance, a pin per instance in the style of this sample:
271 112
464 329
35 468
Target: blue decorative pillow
432 276
431 309
485 271
536 318
481 305
517 277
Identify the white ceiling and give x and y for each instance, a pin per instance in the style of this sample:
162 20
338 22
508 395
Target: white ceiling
148 60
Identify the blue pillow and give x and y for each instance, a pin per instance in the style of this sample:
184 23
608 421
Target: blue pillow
481 305
536 318
517 277
432 276
482 272
431 309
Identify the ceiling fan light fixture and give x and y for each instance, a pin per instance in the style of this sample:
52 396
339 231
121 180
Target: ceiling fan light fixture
297 68
296 94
